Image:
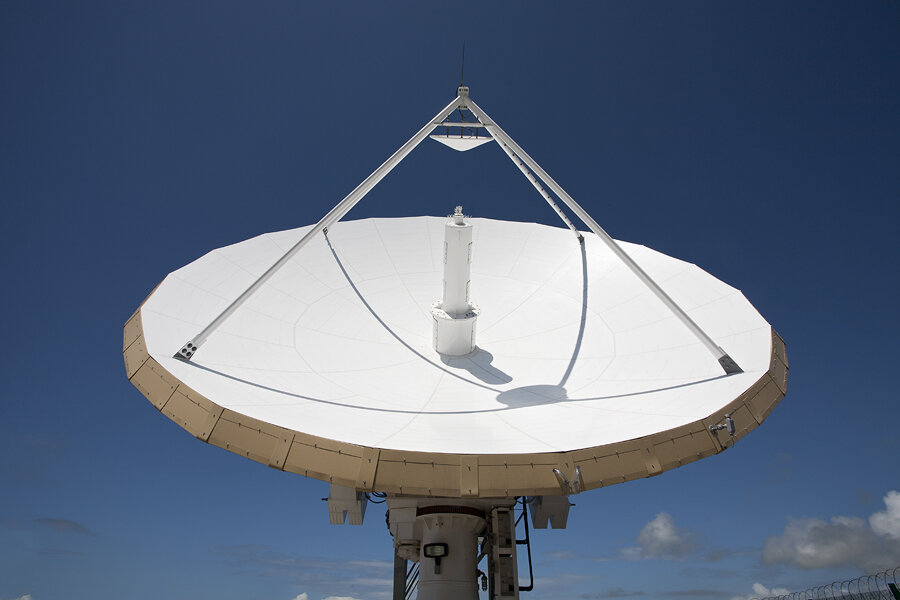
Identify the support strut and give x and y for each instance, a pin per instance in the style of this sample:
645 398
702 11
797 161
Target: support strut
532 171
335 214
725 361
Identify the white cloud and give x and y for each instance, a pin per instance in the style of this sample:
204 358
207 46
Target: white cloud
660 538
561 554
371 581
365 578
371 564
761 591
886 523
814 543
613 593
305 596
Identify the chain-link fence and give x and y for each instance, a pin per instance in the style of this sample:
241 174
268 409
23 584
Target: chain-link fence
880 586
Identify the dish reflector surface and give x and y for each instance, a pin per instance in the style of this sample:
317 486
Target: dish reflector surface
573 351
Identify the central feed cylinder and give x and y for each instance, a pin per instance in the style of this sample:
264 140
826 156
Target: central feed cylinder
457 265
455 316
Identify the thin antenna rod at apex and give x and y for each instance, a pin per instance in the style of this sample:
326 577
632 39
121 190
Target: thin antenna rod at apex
462 67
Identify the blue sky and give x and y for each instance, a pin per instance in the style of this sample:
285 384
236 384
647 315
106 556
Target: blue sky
758 140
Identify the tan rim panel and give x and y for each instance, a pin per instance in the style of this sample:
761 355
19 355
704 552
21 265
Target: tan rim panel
440 474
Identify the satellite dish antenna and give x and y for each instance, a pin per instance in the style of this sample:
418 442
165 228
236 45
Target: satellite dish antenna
354 353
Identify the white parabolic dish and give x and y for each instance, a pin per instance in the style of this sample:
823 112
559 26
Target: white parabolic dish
574 354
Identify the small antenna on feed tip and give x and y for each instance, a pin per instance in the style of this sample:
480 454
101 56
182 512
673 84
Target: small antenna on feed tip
462 67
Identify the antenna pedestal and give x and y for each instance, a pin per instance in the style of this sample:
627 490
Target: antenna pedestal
453 576
448 538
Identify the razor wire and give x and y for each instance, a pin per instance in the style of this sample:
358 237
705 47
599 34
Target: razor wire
877 586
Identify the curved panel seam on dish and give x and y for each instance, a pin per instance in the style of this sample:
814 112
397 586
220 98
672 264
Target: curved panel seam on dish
397 273
388 329
423 412
413 414
553 447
